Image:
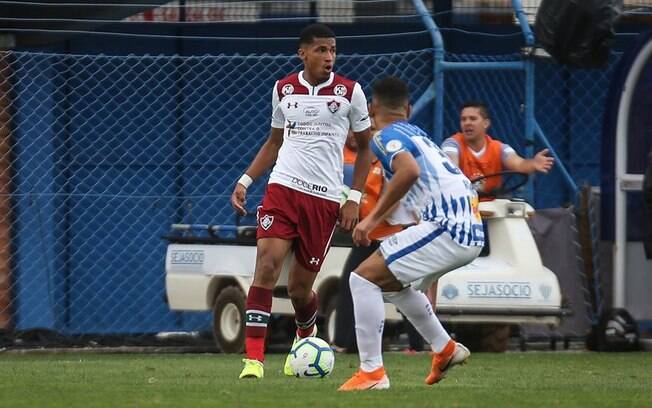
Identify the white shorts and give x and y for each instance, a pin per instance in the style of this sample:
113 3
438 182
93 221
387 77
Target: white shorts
421 254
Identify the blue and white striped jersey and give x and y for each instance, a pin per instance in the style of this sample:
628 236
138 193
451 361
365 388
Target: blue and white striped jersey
442 194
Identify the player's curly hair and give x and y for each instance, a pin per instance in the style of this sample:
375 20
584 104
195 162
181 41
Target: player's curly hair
317 30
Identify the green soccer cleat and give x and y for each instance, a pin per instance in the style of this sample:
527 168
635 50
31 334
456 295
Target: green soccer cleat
287 369
252 369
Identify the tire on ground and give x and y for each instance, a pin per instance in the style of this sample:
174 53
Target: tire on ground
493 338
229 320
496 338
328 330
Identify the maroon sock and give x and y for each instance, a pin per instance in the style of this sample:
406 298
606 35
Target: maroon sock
259 306
305 317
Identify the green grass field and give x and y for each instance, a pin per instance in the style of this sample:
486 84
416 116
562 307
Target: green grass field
534 379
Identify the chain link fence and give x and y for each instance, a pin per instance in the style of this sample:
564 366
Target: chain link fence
106 152
100 154
569 107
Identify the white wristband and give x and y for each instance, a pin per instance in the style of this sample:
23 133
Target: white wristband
245 180
355 196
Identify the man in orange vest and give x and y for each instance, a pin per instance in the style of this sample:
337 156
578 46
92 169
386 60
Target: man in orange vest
477 154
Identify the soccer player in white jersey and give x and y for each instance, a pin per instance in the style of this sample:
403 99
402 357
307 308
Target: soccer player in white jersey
312 111
449 235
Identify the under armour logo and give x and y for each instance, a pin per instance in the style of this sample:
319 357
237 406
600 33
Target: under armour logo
257 318
293 105
314 261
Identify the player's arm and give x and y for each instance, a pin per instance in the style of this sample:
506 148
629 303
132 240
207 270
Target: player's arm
452 150
360 124
406 173
350 211
267 155
264 160
362 161
389 212
393 208
541 162
454 158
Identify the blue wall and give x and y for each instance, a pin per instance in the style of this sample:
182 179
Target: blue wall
109 151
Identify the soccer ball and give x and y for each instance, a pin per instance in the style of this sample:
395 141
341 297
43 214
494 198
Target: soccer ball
312 357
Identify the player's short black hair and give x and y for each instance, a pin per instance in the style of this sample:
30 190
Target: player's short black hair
317 30
480 105
391 92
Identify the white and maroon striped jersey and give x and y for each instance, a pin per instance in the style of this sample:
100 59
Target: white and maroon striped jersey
315 122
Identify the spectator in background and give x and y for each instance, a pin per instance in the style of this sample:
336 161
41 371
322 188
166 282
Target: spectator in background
345 340
477 154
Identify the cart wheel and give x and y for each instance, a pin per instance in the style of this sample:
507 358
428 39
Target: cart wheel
330 316
495 338
229 320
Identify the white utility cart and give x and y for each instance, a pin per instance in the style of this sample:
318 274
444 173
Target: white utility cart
506 286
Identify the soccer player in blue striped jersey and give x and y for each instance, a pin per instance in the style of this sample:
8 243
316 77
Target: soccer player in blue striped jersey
448 236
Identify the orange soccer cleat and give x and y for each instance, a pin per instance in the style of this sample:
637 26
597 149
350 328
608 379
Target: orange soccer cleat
362 380
453 354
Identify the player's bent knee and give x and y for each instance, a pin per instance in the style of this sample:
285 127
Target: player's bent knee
375 271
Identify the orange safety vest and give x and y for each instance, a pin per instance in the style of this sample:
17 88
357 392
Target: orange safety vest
489 163
372 189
